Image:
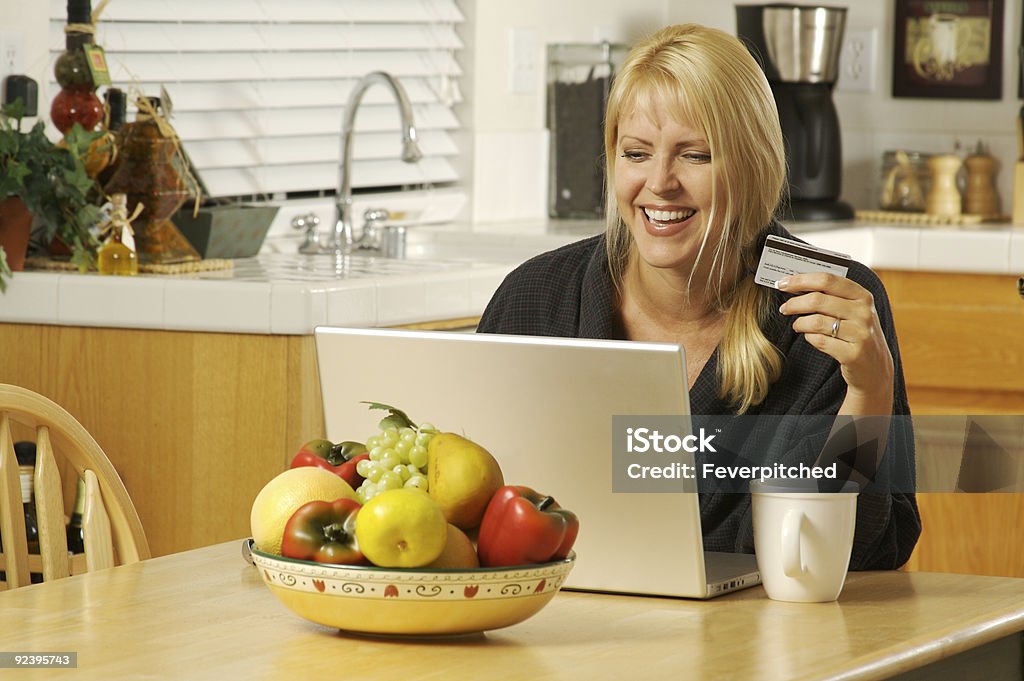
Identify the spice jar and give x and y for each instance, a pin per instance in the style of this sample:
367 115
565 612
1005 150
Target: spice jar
944 196
980 197
906 180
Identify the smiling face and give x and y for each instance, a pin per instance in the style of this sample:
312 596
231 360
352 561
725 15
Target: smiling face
684 93
663 186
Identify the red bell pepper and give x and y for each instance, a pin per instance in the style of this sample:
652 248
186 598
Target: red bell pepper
521 526
324 531
340 459
349 473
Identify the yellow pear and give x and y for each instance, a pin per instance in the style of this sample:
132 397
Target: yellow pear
459 552
463 476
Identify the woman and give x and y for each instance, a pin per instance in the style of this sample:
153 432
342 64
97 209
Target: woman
696 168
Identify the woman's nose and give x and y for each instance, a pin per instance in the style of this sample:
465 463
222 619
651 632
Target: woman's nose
662 179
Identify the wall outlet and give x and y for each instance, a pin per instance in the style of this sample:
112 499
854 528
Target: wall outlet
525 61
12 47
857 61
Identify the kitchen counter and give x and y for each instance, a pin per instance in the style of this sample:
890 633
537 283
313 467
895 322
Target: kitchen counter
269 294
451 272
995 248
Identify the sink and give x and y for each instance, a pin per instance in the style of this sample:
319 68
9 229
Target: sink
452 243
476 247
435 228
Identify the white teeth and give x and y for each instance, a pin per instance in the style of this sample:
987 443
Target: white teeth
667 215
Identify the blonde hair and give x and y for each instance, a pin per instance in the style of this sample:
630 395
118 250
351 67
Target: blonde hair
710 80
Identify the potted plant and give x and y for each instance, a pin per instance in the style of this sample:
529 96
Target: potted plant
52 182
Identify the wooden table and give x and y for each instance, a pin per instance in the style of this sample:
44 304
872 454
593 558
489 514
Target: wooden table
205 614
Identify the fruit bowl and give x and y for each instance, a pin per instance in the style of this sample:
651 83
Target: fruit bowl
411 602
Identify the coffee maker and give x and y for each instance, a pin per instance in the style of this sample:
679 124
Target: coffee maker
798 48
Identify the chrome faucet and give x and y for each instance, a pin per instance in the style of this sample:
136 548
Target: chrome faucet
342 239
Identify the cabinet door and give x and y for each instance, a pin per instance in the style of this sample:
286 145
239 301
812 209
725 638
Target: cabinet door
195 423
962 342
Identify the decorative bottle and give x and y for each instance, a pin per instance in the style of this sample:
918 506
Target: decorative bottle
148 174
77 101
116 105
26 455
115 255
103 150
75 531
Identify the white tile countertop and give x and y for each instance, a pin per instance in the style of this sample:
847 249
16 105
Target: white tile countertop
451 272
269 294
984 249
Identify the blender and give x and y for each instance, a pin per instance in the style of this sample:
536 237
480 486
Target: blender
798 48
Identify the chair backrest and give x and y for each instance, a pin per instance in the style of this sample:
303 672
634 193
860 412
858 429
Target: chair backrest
112 529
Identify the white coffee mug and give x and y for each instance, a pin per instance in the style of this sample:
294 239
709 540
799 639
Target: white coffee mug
803 538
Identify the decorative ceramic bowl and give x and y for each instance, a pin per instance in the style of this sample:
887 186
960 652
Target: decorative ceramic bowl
395 601
228 231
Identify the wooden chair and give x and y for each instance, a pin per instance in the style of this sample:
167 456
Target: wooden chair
112 529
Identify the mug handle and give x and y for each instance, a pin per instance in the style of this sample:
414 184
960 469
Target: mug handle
792 527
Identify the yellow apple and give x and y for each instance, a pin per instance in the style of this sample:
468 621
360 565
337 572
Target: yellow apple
401 528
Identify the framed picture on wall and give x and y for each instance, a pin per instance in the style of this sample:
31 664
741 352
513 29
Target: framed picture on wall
948 49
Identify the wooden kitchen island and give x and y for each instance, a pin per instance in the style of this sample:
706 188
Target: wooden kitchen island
196 417
195 423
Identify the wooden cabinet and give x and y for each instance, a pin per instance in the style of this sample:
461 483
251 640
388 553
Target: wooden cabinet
195 423
962 341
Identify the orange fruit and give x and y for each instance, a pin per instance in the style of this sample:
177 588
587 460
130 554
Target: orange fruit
283 495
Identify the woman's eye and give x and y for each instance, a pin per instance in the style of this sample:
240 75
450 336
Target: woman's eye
697 157
634 155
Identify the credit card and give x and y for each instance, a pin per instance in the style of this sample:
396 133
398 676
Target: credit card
784 257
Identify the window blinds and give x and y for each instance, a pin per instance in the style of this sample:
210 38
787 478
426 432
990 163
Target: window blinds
258 87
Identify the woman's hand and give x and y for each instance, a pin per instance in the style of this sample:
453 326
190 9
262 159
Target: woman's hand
838 317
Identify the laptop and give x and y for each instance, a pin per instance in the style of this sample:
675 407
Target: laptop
543 407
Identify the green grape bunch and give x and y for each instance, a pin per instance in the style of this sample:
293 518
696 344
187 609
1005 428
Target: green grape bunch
398 455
